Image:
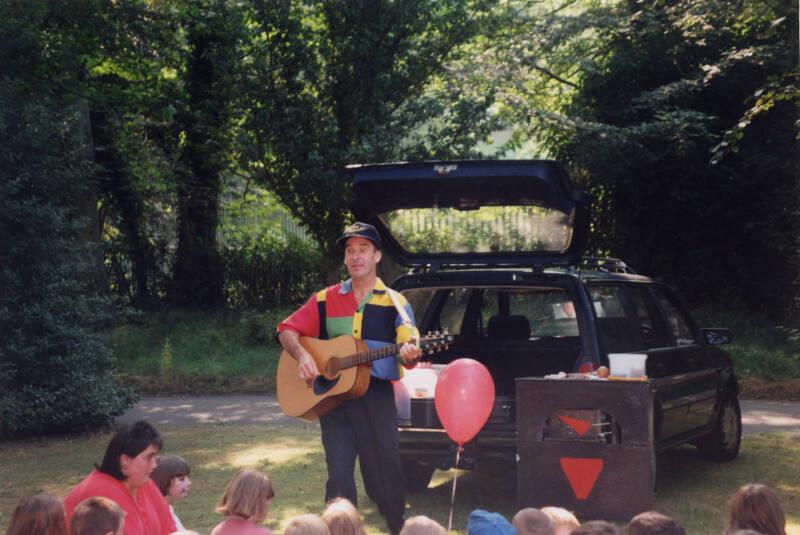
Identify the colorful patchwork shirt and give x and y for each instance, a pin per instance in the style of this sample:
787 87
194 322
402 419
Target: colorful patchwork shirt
334 312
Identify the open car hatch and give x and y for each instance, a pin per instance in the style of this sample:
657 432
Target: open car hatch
473 213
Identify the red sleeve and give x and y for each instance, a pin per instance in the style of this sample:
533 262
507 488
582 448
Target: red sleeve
165 519
304 321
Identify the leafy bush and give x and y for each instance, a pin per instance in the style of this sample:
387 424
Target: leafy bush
55 374
268 270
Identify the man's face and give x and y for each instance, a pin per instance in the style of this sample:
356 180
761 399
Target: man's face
360 257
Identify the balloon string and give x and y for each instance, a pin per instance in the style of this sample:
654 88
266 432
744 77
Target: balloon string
453 495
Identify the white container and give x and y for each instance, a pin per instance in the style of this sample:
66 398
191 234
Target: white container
627 364
419 382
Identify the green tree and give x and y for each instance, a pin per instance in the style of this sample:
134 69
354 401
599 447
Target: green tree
644 118
336 82
214 30
55 374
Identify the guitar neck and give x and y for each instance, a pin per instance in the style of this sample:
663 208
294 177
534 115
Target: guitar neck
363 357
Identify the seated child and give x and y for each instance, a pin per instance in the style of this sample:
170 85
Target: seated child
531 521
485 523
97 516
756 507
342 518
422 525
653 523
306 525
171 476
597 527
245 502
563 521
42 514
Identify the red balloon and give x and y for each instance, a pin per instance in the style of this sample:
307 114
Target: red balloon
464 399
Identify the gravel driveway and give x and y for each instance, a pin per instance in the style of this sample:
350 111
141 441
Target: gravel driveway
757 416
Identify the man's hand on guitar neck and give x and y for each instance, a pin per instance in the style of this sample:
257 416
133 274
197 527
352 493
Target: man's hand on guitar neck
306 366
409 354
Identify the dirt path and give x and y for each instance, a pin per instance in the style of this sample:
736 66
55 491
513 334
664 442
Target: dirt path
757 416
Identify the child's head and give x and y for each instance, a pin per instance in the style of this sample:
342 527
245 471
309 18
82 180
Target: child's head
342 518
422 525
563 521
306 525
756 507
653 523
247 496
172 477
597 527
42 514
97 516
531 521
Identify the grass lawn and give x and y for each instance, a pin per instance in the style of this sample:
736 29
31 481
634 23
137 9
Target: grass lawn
692 490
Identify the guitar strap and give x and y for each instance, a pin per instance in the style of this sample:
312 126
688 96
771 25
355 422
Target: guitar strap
401 310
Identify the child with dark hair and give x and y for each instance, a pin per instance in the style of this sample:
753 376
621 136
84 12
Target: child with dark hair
653 523
597 527
40 514
756 507
532 521
124 477
171 476
97 516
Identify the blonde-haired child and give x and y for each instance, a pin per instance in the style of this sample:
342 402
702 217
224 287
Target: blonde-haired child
342 518
306 525
42 514
563 521
245 502
422 525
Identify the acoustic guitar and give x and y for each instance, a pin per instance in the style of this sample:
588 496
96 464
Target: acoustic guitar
344 364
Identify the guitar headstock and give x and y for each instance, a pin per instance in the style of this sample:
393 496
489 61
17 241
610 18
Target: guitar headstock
436 341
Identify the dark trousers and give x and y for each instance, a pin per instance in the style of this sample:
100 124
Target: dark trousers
366 428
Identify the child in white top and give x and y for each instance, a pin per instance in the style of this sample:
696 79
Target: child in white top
172 478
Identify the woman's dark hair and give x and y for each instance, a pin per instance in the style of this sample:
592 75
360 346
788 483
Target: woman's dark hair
169 467
131 440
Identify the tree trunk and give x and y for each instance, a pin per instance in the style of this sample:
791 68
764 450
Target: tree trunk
116 184
86 205
198 279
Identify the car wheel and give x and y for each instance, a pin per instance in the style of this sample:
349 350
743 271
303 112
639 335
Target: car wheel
723 442
418 475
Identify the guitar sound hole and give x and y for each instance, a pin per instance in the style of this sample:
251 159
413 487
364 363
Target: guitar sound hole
322 385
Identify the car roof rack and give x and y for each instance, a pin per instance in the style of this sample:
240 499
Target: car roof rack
608 265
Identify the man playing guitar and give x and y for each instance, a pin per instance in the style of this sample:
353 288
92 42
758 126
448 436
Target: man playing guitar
365 427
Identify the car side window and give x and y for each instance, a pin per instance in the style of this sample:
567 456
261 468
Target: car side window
651 328
677 321
618 326
451 316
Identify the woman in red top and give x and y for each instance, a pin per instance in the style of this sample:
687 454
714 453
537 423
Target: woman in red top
124 476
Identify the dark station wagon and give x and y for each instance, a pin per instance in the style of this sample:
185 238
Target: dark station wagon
493 252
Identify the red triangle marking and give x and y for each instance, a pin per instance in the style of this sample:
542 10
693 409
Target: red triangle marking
581 474
579 426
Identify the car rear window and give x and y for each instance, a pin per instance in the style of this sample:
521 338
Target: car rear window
481 229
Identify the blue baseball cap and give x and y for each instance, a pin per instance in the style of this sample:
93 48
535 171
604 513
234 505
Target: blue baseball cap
485 523
360 230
